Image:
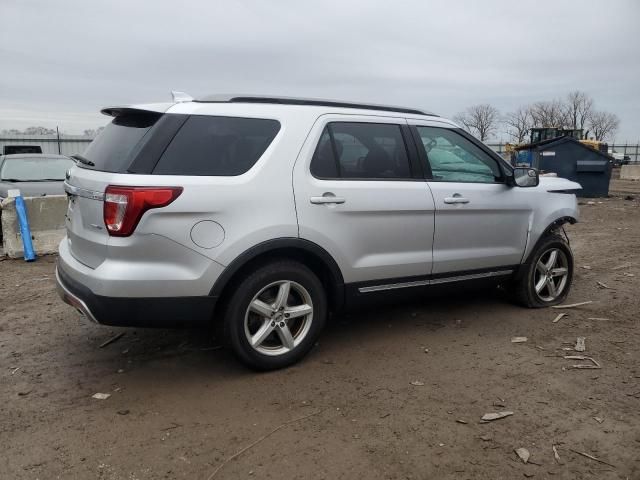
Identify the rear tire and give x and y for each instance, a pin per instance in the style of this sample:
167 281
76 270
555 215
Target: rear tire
546 279
275 315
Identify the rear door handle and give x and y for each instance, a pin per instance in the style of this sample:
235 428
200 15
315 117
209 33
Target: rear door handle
457 198
329 199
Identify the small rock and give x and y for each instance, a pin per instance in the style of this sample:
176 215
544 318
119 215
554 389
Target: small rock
598 419
120 370
463 422
426 350
519 339
123 412
629 197
101 396
523 453
485 438
556 455
580 346
417 383
488 417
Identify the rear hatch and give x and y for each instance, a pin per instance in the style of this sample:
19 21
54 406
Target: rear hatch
118 149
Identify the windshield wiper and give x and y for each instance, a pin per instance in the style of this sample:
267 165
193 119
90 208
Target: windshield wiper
83 160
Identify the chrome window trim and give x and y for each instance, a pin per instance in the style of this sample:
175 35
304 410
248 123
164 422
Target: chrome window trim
435 281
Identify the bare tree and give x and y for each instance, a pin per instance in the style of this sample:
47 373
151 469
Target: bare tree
92 133
603 125
578 108
549 114
479 120
39 131
519 122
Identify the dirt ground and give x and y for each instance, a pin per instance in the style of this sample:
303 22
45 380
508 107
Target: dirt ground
181 408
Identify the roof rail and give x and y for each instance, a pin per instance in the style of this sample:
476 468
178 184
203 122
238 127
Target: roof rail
307 101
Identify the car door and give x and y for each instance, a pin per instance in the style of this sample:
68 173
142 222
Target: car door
481 223
360 196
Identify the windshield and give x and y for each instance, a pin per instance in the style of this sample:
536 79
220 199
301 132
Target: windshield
35 169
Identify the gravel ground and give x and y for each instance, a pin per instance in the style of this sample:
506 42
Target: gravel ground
394 393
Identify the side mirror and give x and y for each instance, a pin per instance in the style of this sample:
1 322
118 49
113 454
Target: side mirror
525 177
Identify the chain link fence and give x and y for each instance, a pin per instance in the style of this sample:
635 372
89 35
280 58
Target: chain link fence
71 144
628 150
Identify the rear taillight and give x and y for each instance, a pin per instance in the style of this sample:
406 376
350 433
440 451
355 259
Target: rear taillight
124 206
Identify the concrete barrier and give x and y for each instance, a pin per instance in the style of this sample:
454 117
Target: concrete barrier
47 221
630 172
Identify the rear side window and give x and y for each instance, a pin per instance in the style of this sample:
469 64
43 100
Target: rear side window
217 146
365 151
118 144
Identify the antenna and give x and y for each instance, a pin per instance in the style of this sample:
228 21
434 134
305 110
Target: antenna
180 97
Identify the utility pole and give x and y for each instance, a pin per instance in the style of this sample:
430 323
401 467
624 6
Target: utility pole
58 136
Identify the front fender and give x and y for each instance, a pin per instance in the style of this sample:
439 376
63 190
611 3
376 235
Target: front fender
554 210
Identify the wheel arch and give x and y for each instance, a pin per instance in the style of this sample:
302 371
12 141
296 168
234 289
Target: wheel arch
306 252
548 230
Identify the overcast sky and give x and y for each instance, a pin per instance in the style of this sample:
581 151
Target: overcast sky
62 60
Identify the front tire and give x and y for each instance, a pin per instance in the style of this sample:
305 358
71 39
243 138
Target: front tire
275 315
546 279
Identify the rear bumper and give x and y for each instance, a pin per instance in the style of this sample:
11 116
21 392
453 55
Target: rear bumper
159 312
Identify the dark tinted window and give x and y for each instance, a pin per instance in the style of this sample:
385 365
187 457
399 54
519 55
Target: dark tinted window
116 146
13 149
363 150
217 146
323 164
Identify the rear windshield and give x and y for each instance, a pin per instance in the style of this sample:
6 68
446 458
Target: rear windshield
30 169
217 146
117 145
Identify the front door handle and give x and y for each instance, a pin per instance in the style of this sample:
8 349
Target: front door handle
327 198
456 198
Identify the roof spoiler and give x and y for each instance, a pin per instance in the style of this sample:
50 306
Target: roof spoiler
118 111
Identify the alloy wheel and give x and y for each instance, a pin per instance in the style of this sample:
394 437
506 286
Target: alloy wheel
551 275
278 318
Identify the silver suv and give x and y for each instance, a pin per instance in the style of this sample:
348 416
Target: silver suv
263 215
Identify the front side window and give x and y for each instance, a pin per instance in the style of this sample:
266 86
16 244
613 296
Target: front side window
364 151
217 146
453 158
